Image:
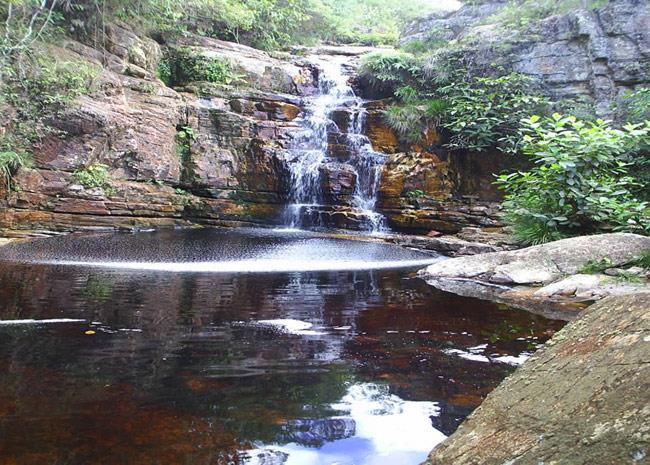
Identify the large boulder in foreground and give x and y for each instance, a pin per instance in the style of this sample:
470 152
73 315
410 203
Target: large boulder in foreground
582 399
543 278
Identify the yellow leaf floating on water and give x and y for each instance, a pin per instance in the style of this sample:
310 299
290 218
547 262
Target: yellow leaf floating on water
90 332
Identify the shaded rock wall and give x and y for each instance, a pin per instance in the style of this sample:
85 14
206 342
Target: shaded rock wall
593 55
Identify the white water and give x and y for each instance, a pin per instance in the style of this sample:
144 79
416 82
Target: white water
258 265
40 322
311 150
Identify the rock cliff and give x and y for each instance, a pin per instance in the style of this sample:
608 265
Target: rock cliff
591 55
193 151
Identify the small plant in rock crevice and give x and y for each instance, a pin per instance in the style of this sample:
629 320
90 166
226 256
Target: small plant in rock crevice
10 162
94 176
596 266
643 260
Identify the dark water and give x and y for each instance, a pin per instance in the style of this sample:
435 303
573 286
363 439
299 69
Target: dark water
315 367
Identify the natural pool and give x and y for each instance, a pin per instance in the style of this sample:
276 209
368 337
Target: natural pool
253 347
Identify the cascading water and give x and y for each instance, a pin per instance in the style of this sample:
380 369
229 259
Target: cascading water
311 152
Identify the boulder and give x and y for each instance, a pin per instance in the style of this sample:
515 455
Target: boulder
544 263
257 69
582 399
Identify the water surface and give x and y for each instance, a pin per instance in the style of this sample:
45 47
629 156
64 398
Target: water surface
114 365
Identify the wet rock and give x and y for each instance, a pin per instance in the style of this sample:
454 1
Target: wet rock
581 399
449 217
338 181
447 245
408 177
382 137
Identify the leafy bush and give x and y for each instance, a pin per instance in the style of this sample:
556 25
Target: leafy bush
388 68
11 161
581 182
479 113
185 65
44 84
485 112
94 176
634 106
412 120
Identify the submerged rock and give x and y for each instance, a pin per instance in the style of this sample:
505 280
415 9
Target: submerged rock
583 399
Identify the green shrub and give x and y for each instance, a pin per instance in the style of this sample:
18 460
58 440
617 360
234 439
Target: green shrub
187 65
633 106
643 260
412 120
10 162
596 266
485 112
164 71
37 89
94 176
479 113
51 83
388 68
580 183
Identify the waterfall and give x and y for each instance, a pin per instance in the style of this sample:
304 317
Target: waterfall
310 200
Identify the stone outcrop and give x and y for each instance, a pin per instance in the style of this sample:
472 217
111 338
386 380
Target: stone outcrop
582 399
201 152
544 277
229 170
593 55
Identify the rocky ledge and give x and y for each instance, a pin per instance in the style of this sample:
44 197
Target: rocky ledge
582 399
556 279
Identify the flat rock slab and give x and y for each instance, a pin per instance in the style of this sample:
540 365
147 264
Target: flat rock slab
544 279
543 264
584 399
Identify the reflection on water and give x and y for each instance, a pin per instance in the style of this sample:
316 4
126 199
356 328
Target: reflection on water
378 428
217 251
147 367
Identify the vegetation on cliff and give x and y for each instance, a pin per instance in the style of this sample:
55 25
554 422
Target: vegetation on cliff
36 83
588 175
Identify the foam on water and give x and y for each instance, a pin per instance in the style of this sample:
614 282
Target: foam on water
249 266
40 322
216 251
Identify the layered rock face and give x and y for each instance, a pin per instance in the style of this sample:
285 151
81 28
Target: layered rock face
198 152
590 54
227 169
